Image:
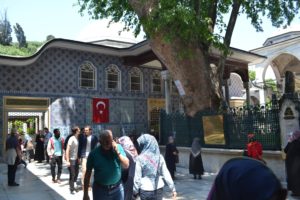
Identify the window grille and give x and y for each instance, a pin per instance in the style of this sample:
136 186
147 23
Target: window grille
87 76
113 78
156 82
136 79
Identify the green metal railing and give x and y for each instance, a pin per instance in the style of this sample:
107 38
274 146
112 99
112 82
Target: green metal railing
263 121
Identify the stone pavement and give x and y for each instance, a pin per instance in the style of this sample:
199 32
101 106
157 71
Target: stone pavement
35 183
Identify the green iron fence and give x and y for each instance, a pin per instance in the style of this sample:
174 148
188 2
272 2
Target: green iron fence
263 121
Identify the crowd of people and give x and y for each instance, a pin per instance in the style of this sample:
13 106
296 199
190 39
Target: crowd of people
121 168
131 166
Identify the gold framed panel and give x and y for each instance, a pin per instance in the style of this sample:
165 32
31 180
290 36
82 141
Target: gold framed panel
154 105
213 129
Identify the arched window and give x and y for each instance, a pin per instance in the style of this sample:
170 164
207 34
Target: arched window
156 82
87 76
136 79
113 78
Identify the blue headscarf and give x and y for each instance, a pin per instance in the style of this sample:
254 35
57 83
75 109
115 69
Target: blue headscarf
247 179
149 156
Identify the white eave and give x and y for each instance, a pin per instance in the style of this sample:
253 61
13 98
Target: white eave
242 56
279 45
135 50
78 46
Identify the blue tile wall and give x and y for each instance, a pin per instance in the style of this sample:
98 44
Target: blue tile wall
1 126
55 75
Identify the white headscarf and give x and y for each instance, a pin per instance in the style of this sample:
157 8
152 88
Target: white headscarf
128 145
196 147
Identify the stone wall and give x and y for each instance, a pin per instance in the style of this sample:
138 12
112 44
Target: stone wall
213 159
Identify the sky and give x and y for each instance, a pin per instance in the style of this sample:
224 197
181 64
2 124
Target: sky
60 18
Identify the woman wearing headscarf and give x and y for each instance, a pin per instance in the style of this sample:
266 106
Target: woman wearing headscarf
171 156
151 170
196 164
246 179
292 163
39 147
128 174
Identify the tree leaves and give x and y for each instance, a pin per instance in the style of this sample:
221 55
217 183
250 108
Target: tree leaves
190 20
20 35
5 31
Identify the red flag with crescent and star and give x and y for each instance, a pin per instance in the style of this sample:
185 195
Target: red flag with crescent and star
100 110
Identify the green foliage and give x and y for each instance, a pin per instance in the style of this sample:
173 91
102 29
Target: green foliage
5 31
30 120
14 49
50 37
271 83
20 35
252 75
18 125
31 126
31 131
190 21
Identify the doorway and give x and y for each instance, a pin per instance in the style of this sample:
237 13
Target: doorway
27 114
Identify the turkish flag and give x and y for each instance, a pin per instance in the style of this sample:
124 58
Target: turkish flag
100 110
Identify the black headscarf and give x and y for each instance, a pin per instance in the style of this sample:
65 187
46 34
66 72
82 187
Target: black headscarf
247 179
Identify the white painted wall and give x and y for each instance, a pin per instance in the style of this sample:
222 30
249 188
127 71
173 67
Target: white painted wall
213 159
288 126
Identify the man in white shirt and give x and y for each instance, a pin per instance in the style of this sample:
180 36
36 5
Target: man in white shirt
87 143
72 158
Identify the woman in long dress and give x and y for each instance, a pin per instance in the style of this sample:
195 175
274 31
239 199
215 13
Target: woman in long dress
292 162
39 148
196 164
171 156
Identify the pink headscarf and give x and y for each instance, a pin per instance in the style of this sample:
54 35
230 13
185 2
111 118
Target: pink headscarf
294 136
128 145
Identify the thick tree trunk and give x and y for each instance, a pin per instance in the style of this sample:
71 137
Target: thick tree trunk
201 82
200 85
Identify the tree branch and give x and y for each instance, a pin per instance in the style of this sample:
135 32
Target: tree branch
143 8
227 40
231 23
212 12
197 7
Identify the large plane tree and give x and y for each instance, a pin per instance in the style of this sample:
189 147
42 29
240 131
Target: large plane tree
182 32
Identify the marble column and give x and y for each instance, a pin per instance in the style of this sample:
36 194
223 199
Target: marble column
167 80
